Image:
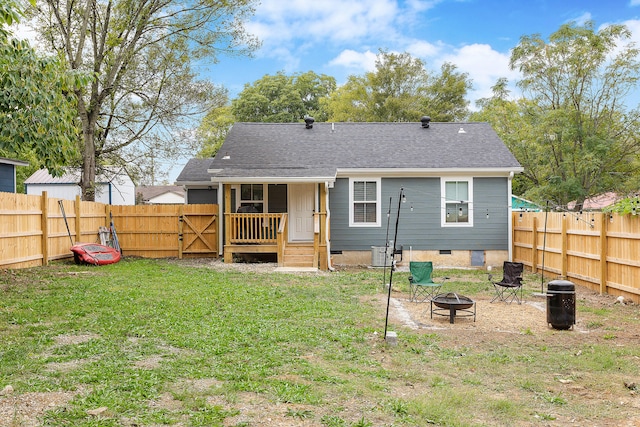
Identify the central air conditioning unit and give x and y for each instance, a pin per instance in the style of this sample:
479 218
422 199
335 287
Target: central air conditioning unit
379 254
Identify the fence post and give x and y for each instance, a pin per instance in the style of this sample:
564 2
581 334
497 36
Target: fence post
180 231
107 215
564 247
44 221
534 245
603 253
78 225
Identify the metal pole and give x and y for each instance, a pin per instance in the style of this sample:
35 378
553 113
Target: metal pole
64 215
386 245
544 247
395 239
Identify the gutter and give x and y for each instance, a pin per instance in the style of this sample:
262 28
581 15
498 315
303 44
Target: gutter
510 216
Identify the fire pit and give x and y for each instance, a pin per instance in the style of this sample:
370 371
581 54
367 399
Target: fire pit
454 305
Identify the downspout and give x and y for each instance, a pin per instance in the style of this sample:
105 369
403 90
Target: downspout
326 227
510 216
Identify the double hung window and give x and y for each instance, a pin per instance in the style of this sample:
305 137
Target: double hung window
252 197
364 203
457 203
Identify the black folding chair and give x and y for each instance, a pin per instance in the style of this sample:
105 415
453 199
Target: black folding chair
509 289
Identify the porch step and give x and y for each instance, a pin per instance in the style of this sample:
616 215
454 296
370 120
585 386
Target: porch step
298 255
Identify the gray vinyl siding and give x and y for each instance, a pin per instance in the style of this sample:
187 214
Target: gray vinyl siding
421 228
202 196
7 178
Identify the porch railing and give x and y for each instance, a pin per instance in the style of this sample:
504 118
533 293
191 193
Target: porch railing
248 228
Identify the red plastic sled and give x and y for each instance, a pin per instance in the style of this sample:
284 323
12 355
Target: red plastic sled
94 253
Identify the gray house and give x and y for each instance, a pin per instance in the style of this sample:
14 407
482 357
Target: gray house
319 194
8 174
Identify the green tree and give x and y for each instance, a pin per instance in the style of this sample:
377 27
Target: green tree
145 95
507 119
572 131
281 98
213 130
400 89
578 82
445 99
37 113
350 102
396 88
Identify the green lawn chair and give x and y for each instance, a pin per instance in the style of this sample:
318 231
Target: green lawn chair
421 287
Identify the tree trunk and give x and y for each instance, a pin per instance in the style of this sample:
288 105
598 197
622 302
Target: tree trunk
88 177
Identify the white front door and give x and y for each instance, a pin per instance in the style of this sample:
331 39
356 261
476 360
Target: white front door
301 209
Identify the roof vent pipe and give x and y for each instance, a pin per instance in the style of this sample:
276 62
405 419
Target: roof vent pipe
425 121
309 122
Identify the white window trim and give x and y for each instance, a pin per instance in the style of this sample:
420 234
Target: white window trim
378 182
443 209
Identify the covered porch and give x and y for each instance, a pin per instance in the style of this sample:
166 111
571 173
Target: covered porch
288 220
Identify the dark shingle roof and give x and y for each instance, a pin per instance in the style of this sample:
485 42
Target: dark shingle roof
289 150
195 171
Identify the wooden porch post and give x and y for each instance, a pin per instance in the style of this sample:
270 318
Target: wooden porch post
228 255
323 259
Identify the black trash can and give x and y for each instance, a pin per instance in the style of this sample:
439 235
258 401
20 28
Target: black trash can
561 304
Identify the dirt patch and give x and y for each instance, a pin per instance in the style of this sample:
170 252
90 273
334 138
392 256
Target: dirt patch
25 410
494 319
74 339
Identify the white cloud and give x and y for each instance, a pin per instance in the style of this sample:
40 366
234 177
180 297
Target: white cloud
485 66
481 62
415 6
293 30
424 49
634 26
634 3
582 19
333 20
358 62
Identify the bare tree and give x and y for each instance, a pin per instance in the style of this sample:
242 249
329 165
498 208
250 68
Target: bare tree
140 55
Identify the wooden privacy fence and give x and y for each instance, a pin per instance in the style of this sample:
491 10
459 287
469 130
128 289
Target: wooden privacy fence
597 250
33 230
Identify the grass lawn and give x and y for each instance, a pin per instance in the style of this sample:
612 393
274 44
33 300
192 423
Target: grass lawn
159 342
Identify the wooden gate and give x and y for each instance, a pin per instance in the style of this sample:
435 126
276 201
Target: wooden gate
198 232
161 231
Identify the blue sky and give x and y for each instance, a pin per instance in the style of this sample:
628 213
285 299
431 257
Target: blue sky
342 37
